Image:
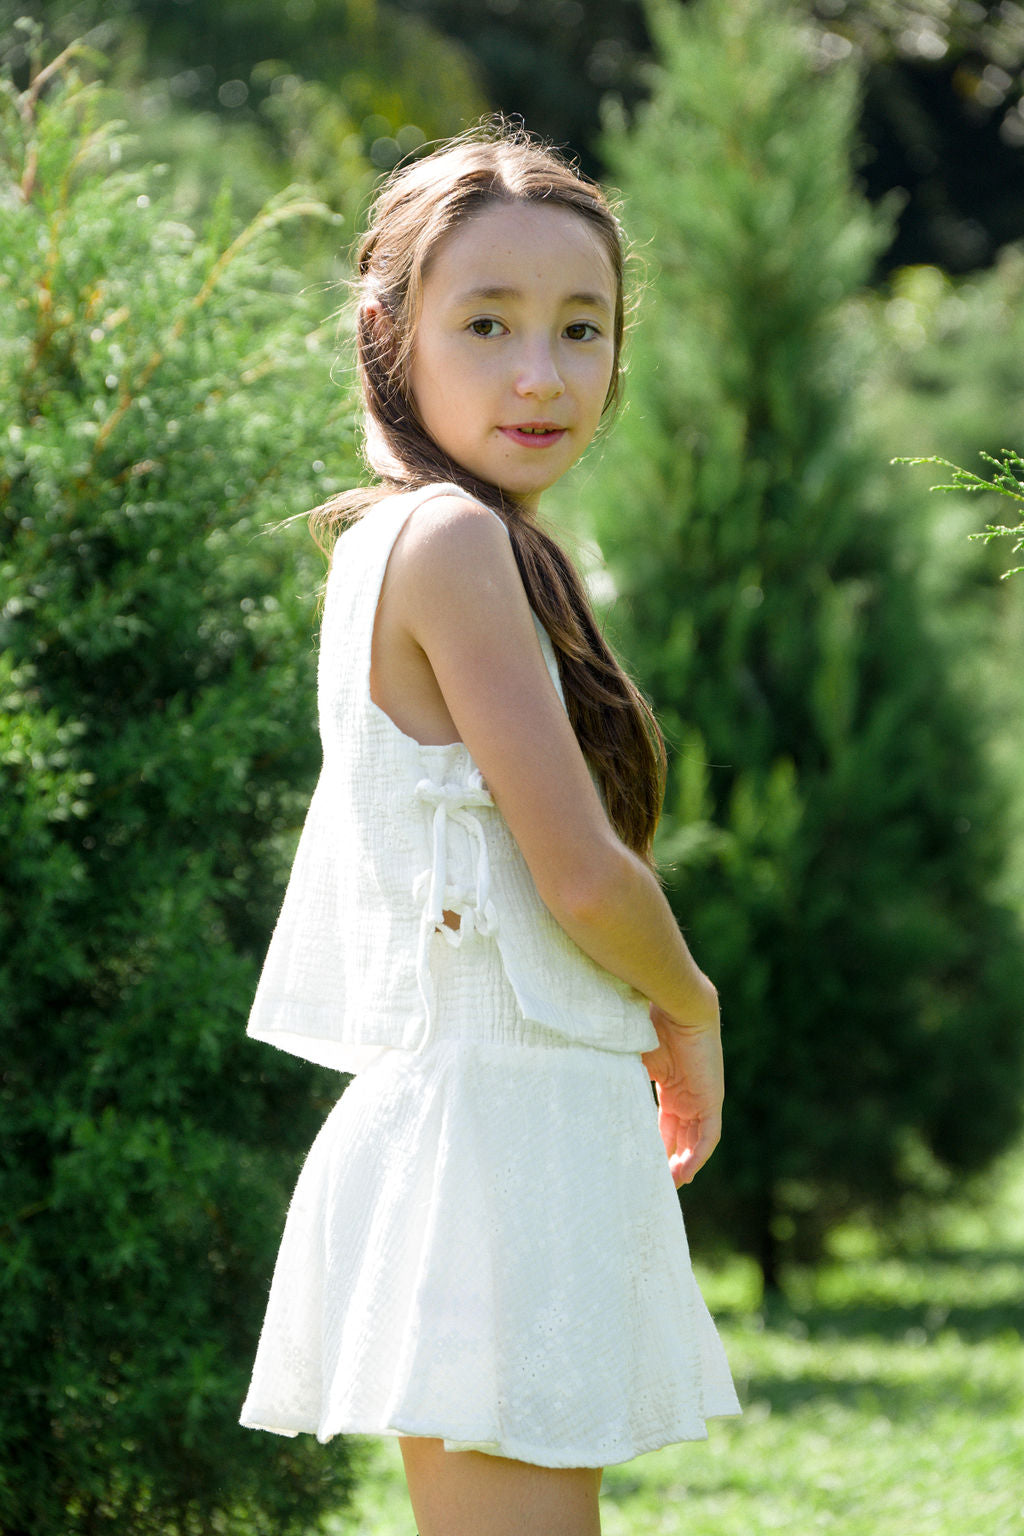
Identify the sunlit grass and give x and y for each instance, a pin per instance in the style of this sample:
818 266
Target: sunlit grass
884 1397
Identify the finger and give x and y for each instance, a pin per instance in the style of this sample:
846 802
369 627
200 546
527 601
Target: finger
692 1159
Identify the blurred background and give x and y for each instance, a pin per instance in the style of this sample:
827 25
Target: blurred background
826 202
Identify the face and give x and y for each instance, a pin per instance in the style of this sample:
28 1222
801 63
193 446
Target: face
514 347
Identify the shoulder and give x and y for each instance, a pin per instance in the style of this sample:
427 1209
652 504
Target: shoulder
451 517
451 538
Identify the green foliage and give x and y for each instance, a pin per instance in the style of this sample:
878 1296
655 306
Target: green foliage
945 358
943 363
378 60
1006 481
260 93
952 374
164 395
832 833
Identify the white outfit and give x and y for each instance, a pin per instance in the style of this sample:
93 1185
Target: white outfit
484 1244
397 833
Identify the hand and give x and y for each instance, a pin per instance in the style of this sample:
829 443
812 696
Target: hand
687 1068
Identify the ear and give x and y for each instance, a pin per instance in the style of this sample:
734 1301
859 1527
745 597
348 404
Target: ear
373 320
378 333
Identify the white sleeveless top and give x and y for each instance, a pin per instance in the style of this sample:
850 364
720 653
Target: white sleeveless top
396 834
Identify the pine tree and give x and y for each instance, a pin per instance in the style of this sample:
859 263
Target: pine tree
164 395
832 837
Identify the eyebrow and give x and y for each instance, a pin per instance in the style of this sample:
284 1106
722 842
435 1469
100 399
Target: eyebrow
498 292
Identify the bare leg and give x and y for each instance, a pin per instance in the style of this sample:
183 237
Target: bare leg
464 1493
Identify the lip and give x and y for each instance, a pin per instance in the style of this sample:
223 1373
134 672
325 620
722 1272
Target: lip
535 434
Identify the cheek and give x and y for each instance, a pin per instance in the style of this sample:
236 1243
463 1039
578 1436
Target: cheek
429 398
429 376
603 384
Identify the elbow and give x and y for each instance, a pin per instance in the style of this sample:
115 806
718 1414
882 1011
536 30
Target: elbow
592 894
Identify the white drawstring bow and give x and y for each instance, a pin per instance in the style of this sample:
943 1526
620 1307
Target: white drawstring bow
452 803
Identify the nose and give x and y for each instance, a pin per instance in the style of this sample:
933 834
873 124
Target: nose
538 373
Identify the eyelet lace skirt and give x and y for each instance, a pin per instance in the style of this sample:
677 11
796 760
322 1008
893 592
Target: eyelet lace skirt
484 1245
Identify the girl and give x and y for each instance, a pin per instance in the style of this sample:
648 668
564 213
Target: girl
484 1254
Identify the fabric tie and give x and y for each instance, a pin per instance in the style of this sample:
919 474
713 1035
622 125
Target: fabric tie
452 803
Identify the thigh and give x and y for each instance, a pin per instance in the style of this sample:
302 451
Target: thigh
464 1493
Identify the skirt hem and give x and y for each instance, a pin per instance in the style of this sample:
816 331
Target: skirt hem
508 1449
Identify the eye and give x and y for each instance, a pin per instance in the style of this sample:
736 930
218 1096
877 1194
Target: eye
582 330
486 328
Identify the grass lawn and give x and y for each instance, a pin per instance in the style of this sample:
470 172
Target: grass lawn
884 1397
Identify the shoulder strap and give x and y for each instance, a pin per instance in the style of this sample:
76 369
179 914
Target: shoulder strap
360 560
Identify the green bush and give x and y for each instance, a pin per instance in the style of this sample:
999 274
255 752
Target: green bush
164 395
833 836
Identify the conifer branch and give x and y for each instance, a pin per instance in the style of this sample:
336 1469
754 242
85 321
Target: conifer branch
1008 480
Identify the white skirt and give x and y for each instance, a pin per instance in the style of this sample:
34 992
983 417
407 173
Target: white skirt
485 1246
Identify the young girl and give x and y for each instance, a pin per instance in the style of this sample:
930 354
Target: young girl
484 1254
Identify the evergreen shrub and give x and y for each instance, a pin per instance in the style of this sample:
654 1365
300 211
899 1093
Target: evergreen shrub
833 837
164 396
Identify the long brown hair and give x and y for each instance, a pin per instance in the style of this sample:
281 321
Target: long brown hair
417 207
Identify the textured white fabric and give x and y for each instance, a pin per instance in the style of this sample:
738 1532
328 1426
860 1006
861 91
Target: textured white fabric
485 1246
390 823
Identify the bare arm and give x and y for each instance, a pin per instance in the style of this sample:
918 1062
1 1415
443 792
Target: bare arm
454 586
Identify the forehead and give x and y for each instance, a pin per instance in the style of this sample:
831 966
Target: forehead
522 246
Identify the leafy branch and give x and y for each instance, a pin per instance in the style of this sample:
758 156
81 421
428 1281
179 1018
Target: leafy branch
291 203
1008 480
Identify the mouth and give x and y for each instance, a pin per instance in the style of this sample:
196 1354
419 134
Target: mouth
535 434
